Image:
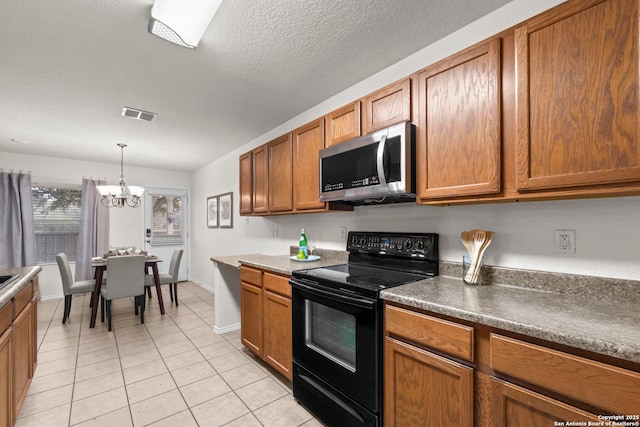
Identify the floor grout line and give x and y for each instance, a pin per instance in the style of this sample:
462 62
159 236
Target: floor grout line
195 311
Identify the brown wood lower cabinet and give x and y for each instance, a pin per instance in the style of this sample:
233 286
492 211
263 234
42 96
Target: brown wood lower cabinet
251 317
18 347
424 389
277 333
22 358
6 395
518 407
34 323
266 317
442 372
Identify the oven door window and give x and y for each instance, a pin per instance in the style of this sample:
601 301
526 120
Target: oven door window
337 338
331 333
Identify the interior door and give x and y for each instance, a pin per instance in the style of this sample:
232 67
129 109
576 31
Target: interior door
166 226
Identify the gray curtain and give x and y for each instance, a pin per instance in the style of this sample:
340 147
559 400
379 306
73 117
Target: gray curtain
93 239
17 235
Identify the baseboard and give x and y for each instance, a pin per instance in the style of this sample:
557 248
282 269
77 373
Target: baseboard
202 285
230 328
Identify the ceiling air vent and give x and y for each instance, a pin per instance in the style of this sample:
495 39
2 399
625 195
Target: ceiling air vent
138 114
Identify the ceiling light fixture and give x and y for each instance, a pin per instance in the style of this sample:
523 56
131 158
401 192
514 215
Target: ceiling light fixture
117 196
182 22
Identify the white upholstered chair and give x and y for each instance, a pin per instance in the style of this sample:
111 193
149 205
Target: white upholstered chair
125 278
69 286
170 278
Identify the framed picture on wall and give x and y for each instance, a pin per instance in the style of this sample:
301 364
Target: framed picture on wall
212 212
226 210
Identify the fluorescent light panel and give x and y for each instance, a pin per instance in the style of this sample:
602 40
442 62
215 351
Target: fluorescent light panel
182 22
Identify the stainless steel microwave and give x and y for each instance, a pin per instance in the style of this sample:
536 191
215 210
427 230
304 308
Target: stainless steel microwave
375 168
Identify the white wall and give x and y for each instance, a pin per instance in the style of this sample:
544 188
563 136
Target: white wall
126 224
606 229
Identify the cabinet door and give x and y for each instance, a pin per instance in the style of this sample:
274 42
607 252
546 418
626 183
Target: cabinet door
308 140
277 333
423 389
387 106
251 317
280 174
577 96
519 407
246 184
260 179
6 395
22 356
459 137
34 326
343 124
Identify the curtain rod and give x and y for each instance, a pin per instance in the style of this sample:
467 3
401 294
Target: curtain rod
19 171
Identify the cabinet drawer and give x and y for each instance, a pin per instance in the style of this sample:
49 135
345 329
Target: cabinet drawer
518 406
6 316
603 386
277 284
442 335
21 300
251 275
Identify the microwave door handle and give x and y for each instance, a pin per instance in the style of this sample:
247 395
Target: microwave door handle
380 159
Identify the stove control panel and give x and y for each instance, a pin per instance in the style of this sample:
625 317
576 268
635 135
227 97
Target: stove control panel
408 245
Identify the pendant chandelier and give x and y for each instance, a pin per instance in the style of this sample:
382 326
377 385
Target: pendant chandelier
119 196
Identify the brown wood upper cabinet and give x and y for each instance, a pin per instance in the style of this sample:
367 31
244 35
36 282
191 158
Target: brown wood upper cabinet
459 134
387 106
280 174
260 179
342 124
246 184
308 140
577 96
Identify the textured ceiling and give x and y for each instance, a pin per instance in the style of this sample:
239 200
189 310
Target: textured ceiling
69 66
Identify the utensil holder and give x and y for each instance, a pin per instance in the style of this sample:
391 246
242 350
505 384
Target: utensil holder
475 277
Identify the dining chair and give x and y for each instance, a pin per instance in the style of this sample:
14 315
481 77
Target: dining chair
125 279
170 278
69 286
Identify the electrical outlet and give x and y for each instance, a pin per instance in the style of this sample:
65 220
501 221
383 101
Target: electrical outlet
565 242
274 232
343 233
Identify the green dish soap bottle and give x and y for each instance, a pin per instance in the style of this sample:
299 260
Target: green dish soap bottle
303 245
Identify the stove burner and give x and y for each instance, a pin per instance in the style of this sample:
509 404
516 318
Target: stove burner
378 261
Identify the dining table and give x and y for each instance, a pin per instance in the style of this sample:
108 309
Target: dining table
100 265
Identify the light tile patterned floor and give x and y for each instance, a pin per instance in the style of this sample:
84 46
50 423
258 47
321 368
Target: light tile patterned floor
171 371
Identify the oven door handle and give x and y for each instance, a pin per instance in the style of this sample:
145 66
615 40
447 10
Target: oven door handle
359 302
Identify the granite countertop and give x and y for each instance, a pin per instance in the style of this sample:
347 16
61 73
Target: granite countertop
595 314
26 275
605 324
283 264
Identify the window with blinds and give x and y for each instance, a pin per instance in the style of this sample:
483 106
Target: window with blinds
56 215
167 220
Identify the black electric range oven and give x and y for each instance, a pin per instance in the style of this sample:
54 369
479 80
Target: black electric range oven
337 324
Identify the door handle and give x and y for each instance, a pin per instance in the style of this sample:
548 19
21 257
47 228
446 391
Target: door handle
380 159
